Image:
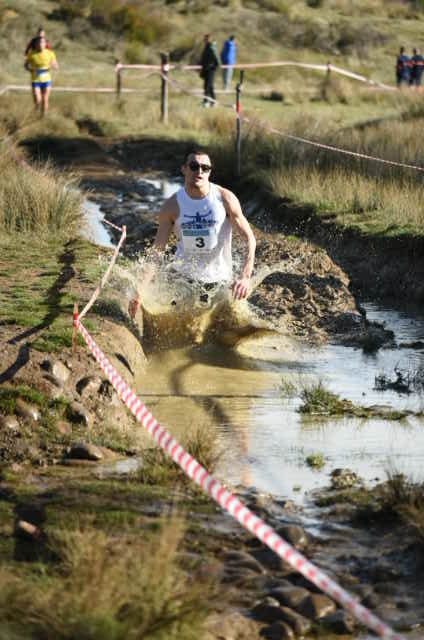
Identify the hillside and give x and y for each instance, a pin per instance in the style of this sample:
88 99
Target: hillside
89 34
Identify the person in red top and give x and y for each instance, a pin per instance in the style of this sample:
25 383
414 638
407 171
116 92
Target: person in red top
31 44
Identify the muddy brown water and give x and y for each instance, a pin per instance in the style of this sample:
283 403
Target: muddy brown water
237 392
265 440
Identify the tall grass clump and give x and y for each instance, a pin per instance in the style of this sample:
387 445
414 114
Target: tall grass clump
371 196
159 468
36 200
406 499
105 589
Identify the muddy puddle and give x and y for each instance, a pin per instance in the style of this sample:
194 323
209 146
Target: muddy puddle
239 392
264 439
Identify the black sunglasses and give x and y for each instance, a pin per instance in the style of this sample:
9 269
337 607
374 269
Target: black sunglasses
195 166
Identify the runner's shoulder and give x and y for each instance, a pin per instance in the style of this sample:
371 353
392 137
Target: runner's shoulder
228 197
170 206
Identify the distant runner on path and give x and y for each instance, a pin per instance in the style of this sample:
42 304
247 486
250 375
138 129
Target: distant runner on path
202 215
39 61
31 44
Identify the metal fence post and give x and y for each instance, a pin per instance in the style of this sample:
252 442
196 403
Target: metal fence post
238 122
164 62
118 78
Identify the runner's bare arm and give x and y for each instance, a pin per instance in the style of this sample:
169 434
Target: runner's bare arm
241 225
166 217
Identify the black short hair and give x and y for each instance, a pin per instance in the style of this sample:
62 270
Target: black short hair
195 151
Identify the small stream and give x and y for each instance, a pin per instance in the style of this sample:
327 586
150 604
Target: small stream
263 438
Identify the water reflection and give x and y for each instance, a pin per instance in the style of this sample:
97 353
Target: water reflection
264 438
95 230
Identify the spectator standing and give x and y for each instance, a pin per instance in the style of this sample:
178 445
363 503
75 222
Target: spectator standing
31 44
228 59
417 68
402 68
39 61
209 63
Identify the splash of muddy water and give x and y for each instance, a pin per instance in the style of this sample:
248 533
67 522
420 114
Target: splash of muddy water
178 312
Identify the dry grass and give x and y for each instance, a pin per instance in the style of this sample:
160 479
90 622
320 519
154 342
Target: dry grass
36 199
159 468
104 588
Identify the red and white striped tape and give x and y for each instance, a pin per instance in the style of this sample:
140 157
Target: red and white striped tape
227 500
289 136
106 274
330 147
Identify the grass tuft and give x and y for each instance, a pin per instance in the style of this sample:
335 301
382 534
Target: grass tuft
104 588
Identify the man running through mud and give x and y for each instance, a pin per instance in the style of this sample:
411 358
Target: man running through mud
203 216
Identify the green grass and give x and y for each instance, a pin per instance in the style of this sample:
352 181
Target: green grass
158 468
315 460
317 400
41 278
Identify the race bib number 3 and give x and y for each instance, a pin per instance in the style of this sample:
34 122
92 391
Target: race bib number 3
198 240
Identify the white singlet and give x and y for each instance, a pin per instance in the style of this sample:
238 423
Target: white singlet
204 233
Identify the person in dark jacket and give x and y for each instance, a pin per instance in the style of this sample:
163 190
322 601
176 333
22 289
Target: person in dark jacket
228 59
402 68
417 68
32 43
209 63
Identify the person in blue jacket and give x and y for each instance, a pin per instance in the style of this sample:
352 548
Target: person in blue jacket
417 68
402 67
228 58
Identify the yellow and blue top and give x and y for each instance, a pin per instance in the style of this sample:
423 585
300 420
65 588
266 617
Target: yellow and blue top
38 62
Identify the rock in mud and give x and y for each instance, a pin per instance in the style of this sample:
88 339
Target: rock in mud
88 385
267 610
294 534
59 373
27 410
316 606
240 559
278 630
85 451
77 413
290 597
9 422
340 622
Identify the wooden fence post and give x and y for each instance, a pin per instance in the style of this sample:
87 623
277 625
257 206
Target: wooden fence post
238 122
326 83
164 62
